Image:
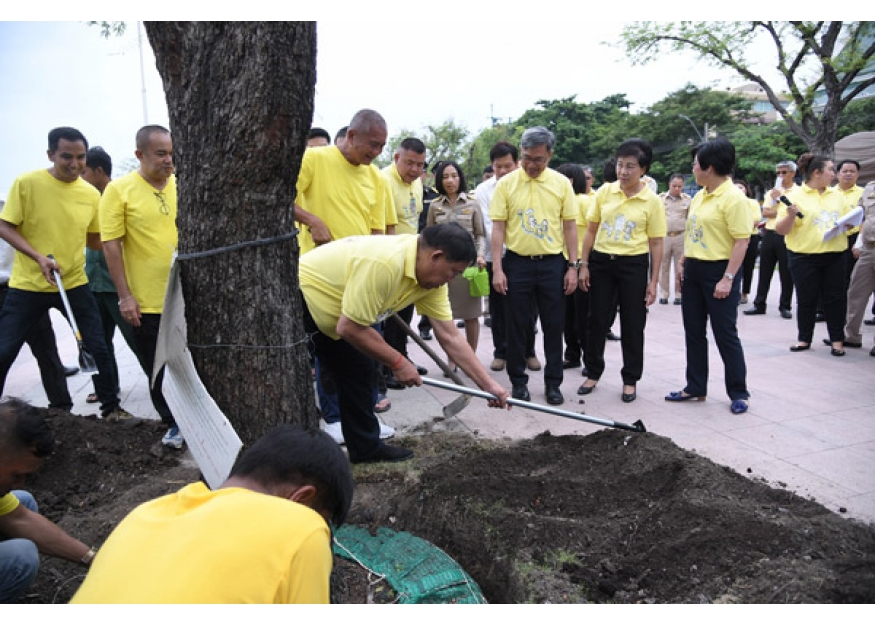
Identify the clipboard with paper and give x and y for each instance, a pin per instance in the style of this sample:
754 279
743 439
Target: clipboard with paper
851 219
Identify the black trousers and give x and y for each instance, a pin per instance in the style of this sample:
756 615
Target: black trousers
819 277
773 252
354 372
43 345
698 307
394 333
750 260
146 340
498 320
617 280
539 283
576 324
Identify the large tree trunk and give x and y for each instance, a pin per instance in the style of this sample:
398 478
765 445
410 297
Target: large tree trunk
240 97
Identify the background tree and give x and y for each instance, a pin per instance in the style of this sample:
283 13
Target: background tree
814 58
445 141
240 98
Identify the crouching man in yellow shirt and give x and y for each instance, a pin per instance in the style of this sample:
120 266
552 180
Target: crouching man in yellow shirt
349 285
261 537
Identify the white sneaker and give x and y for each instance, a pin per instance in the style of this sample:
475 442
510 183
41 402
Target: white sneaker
173 438
386 431
333 430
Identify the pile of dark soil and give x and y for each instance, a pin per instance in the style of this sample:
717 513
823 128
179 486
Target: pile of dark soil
610 517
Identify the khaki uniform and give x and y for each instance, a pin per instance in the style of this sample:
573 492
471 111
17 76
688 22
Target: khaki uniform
863 278
676 209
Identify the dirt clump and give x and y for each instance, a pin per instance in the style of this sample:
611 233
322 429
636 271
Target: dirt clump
611 517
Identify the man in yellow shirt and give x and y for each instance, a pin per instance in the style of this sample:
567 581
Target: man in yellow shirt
403 176
262 537
138 228
847 173
53 212
25 440
533 212
351 284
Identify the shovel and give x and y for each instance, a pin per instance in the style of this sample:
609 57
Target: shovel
638 426
461 402
86 360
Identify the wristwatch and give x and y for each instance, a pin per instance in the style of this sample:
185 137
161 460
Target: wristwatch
574 265
731 276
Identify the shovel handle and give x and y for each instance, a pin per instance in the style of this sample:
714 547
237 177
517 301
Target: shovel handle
635 427
66 301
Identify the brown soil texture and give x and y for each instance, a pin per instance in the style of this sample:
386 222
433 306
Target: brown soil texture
613 517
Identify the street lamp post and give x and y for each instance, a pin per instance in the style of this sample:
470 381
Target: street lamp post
696 128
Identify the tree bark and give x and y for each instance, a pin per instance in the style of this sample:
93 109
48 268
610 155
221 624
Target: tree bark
240 98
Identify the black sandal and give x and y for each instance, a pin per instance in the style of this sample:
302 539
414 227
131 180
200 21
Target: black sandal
92 398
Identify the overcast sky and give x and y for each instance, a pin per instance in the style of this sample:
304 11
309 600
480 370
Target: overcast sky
415 73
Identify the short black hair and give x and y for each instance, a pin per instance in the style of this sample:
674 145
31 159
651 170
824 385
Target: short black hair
847 161
319 132
23 427
413 144
488 170
289 454
67 133
638 148
97 157
609 170
145 133
677 175
502 149
341 134
576 174
718 153
439 174
453 240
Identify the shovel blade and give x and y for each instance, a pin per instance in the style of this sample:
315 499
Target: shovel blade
456 406
87 364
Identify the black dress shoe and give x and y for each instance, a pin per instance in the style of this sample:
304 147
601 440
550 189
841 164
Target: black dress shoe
663 300
570 364
756 310
68 371
818 317
786 314
612 337
846 343
425 335
554 395
677 301
583 389
521 392
869 322
628 398
386 453
460 324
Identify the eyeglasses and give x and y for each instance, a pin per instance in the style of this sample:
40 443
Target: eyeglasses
165 210
537 161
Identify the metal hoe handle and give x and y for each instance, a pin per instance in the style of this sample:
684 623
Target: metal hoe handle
638 426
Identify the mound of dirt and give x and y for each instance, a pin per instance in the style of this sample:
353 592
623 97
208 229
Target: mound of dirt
610 517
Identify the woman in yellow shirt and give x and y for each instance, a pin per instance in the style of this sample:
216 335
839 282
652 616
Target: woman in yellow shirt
454 205
817 266
625 228
718 230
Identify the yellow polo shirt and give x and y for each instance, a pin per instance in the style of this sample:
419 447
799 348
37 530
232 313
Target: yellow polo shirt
715 221
852 198
626 224
756 215
8 503
350 199
230 545
534 210
822 211
584 201
782 209
144 219
407 201
366 279
55 218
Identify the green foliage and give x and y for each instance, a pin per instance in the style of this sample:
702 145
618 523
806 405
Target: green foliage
759 147
110 29
448 141
858 116
821 63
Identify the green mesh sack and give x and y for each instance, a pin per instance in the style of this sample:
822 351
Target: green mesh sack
417 570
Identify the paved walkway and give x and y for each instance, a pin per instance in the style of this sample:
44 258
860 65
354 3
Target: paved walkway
810 427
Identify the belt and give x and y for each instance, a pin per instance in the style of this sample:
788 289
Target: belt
535 256
674 233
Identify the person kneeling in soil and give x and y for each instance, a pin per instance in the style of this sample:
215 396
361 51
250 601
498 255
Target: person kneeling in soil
350 284
262 537
25 439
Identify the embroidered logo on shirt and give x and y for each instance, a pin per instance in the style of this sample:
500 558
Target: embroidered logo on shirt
619 228
531 226
696 232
